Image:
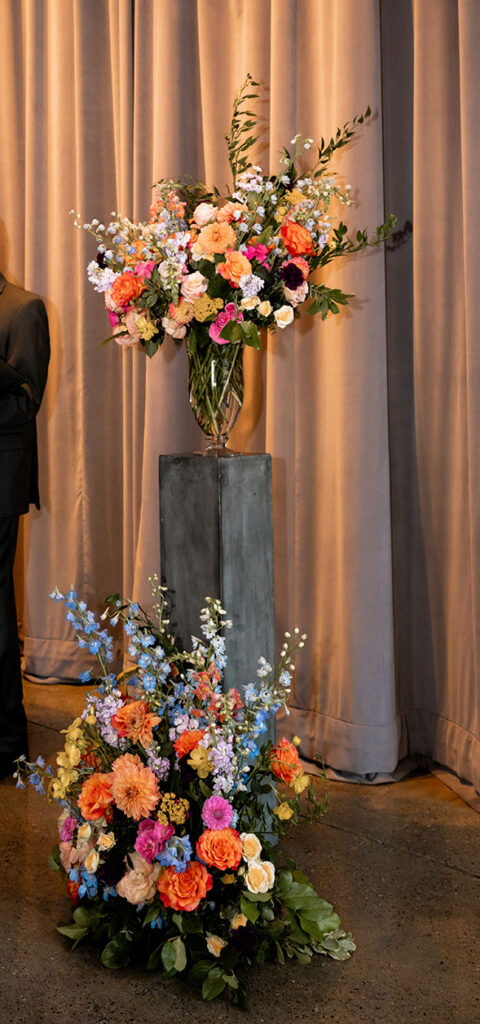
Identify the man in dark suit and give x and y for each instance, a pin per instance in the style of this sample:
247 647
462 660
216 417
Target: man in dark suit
24 356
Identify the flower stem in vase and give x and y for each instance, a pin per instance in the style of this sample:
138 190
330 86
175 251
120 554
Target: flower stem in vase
216 388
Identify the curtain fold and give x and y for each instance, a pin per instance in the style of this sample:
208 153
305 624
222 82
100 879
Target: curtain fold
372 417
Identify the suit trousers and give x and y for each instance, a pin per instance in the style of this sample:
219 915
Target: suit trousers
13 722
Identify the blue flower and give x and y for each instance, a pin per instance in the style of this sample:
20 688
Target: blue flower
85 677
94 646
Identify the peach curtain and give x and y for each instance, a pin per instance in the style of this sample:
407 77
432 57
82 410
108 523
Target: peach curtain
375 486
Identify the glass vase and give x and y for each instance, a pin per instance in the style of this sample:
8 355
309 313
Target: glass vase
216 388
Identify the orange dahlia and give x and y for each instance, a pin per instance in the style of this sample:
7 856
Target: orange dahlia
135 721
221 848
95 796
216 238
183 890
134 787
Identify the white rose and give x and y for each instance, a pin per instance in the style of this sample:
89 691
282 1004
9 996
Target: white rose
204 213
270 869
265 308
193 286
283 316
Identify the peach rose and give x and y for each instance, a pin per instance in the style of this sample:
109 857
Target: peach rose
228 210
193 286
216 238
96 796
139 883
204 213
183 890
126 288
215 944
236 266
220 848
258 877
296 239
251 846
284 761
71 855
188 740
172 328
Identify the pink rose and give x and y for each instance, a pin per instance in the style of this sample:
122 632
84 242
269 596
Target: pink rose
151 838
71 855
223 318
193 286
203 214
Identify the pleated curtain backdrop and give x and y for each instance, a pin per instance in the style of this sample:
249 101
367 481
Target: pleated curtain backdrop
372 418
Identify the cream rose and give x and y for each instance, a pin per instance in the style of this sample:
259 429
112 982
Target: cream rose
215 944
270 869
251 846
84 831
140 882
106 841
265 308
92 861
238 921
204 213
193 286
250 303
283 316
257 877
172 328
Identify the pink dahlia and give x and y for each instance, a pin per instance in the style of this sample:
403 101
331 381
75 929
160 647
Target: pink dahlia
217 812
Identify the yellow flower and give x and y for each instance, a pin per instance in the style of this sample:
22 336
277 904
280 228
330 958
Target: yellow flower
215 944
294 196
106 840
228 879
91 718
91 862
250 303
283 811
200 761
145 328
57 789
239 921
300 783
296 741
206 308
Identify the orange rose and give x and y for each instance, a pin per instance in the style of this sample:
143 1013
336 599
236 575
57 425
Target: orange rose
236 266
216 238
96 796
188 740
296 239
183 890
135 721
284 761
126 288
220 847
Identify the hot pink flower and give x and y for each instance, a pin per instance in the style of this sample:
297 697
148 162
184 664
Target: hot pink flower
258 252
151 838
217 812
67 830
145 269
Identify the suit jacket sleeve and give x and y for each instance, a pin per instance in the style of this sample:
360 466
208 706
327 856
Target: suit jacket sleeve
23 374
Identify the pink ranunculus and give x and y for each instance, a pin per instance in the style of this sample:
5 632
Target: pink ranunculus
144 268
257 252
193 286
151 838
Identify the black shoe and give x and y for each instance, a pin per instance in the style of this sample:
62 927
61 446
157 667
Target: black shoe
8 763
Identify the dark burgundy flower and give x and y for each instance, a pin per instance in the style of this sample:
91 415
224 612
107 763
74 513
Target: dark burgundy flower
291 276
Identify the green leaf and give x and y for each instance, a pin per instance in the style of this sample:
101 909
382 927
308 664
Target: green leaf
169 956
214 984
251 334
72 931
155 959
116 954
181 955
250 909
199 971
53 863
84 917
233 331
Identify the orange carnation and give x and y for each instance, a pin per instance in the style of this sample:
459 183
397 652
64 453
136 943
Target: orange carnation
236 266
134 787
95 796
216 238
126 288
135 721
188 740
183 890
220 847
284 761
296 239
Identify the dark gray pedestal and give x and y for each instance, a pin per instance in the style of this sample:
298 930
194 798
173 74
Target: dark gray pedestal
216 540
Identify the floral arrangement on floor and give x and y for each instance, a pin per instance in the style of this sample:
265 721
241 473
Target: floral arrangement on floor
171 808
216 269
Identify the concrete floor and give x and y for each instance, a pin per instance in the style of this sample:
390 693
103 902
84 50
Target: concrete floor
401 863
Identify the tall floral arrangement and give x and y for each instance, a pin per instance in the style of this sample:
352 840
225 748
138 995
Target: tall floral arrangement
214 270
173 807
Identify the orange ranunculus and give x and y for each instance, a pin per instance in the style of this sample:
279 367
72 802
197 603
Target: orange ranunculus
220 847
296 239
227 211
134 787
135 721
95 796
284 761
126 288
216 238
188 740
183 890
236 266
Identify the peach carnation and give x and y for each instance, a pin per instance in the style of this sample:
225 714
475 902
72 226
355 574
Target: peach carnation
284 761
216 238
125 288
96 796
187 741
220 848
134 787
296 239
136 722
183 890
236 266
